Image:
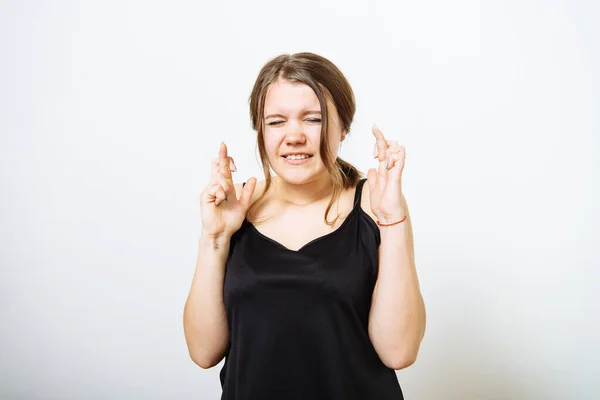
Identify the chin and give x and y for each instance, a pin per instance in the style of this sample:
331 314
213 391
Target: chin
302 174
295 179
299 177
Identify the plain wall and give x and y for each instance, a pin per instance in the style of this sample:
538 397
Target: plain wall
110 112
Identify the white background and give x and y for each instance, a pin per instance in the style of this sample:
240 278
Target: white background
111 111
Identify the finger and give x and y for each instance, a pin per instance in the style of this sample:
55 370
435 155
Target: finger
395 154
222 151
395 149
224 161
382 170
211 193
372 179
214 170
393 146
391 161
394 174
220 195
381 143
230 164
226 184
247 192
397 159
374 188
377 133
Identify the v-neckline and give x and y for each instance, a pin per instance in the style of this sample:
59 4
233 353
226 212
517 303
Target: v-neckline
315 240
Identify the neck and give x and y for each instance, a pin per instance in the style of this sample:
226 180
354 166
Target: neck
303 194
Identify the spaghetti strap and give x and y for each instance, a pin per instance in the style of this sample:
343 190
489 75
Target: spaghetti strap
358 192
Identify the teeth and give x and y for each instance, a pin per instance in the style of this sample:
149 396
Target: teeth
296 157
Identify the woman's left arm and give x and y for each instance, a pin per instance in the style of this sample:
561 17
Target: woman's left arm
397 316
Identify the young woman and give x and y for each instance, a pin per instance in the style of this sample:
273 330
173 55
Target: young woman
306 282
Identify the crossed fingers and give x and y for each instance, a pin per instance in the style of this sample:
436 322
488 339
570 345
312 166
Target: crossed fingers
387 151
221 177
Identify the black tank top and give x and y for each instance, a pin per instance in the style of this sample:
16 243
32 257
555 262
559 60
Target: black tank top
298 319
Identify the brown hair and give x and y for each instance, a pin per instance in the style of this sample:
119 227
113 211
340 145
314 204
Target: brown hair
328 82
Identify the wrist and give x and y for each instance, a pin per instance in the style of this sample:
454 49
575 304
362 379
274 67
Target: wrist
389 220
395 235
214 237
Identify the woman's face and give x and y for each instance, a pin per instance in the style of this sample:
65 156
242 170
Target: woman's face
292 131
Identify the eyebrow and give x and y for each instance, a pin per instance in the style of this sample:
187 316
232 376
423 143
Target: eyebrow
283 116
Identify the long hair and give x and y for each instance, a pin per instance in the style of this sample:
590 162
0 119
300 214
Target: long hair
328 82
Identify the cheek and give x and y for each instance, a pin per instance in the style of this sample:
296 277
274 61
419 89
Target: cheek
272 142
334 141
271 138
313 134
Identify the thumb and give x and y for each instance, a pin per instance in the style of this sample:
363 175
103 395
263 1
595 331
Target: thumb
372 179
247 192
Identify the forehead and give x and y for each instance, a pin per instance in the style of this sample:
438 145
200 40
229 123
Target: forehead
284 95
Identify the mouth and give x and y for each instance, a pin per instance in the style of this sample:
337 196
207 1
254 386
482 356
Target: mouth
297 156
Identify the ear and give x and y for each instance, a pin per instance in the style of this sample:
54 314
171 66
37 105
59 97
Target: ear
344 133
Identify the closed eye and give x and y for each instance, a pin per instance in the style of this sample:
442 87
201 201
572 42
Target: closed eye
311 120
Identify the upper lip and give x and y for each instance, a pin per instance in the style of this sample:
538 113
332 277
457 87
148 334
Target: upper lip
296 153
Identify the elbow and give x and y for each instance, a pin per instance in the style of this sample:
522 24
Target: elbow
401 361
204 352
203 361
406 357
203 364
204 357
400 355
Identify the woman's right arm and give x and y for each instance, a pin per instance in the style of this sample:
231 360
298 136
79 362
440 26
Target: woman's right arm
205 321
223 209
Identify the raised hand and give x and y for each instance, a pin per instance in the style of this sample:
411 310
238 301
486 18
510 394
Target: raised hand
222 212
385 183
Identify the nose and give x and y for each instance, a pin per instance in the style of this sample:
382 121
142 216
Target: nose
294 134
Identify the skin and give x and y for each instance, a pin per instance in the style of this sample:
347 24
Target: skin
298 197
300 193
293 124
